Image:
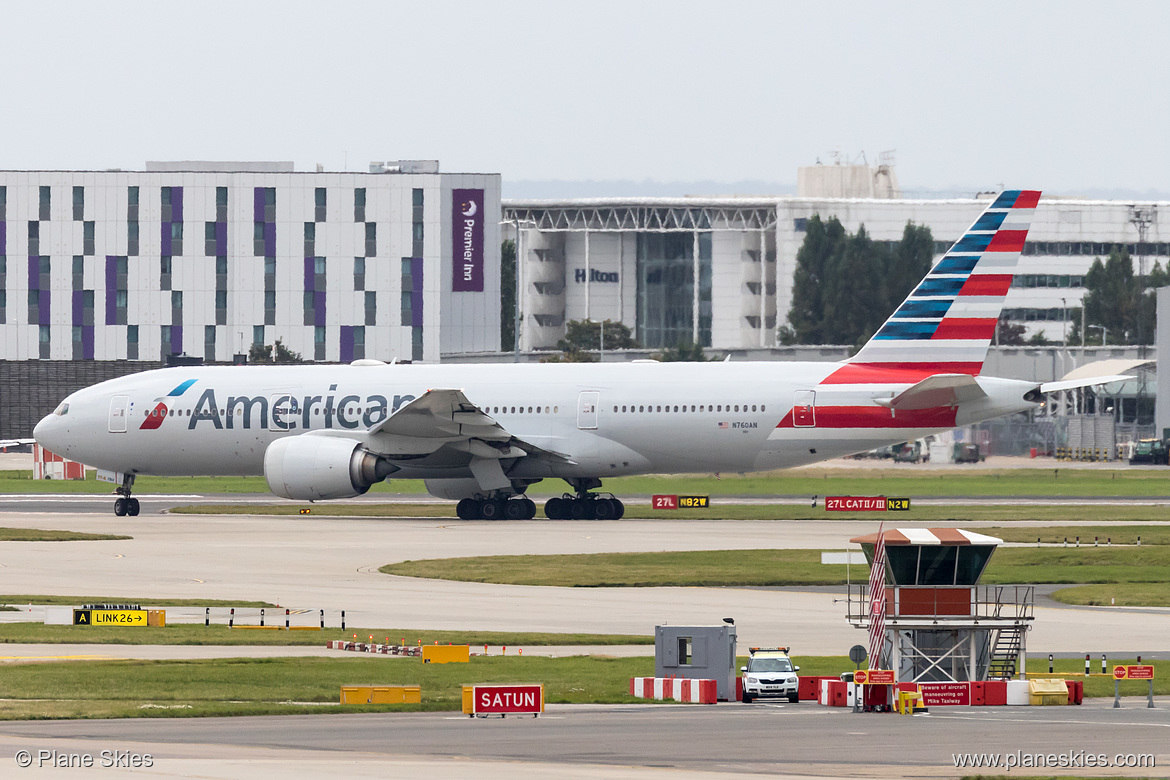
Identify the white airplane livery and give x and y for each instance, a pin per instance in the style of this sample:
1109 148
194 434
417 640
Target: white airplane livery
483 433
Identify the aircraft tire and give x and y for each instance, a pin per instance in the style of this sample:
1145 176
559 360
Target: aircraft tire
603 509
467 509
581 510
554 509
133 507
491 510
620 509
120 507
515 509
529 508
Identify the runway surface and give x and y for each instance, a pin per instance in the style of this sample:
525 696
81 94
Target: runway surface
673 741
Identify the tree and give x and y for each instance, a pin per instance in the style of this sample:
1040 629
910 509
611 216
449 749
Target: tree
806 318
1038 339
508 295
260 353
282 354
273 353
854 304
583 337
684 352
909 264
845 285
1119 301
1010 335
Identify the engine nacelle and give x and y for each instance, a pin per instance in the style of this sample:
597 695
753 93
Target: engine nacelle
453 489
308 468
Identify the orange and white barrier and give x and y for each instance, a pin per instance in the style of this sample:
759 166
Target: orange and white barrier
49 465
366 647
675 689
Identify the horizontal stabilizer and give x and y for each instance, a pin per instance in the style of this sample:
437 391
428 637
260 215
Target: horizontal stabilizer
1072 384
936 391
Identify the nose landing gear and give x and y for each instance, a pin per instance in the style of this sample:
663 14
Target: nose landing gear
124 504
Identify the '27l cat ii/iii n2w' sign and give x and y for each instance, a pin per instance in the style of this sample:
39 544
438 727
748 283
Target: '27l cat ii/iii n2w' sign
866 504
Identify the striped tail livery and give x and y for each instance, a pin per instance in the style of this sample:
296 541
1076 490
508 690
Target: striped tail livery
955 309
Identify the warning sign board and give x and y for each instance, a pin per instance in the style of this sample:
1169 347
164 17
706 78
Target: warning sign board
109 617
503 699
874 676
1134 672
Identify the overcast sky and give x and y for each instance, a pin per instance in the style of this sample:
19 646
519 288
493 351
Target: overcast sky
1064 96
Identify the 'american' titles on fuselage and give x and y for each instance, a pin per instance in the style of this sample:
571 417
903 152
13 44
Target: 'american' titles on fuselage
286 412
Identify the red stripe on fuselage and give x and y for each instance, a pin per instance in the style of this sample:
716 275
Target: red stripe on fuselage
987 284
966 328
877 417
895 373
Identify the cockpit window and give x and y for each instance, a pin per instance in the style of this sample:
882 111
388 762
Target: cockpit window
61 410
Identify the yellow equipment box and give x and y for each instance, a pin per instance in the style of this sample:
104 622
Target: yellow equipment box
1047 691
446 654
156 617
381 694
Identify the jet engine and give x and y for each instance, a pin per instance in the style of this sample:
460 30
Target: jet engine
308 468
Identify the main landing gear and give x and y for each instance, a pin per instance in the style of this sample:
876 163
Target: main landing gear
584 505
588 506
124 504
502 508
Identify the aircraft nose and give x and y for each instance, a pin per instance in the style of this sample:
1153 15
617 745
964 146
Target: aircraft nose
44 432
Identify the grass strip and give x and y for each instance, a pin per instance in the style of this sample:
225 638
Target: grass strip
242 686
38 535
219 634
760 568
1124 594
793 482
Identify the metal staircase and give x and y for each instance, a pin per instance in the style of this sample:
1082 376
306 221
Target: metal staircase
1006 652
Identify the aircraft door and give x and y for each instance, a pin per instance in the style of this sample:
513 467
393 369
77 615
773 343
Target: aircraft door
119 406
587 404
804 410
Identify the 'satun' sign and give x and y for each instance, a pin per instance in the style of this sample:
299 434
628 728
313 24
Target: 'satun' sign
467 240
503 699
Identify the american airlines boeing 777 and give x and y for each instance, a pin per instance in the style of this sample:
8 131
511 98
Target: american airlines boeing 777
483 433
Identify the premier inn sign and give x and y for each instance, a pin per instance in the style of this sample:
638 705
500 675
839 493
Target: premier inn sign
467 240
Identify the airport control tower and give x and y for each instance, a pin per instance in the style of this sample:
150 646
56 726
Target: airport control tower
941 624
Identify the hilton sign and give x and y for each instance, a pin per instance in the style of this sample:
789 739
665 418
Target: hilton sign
580 275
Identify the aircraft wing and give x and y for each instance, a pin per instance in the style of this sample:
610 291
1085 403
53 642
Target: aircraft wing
16 442
1072 384
445 418
935 391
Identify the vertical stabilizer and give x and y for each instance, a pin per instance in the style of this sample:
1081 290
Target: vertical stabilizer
949 320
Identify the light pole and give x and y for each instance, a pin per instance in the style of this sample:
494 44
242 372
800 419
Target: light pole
1064 323
1104 334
